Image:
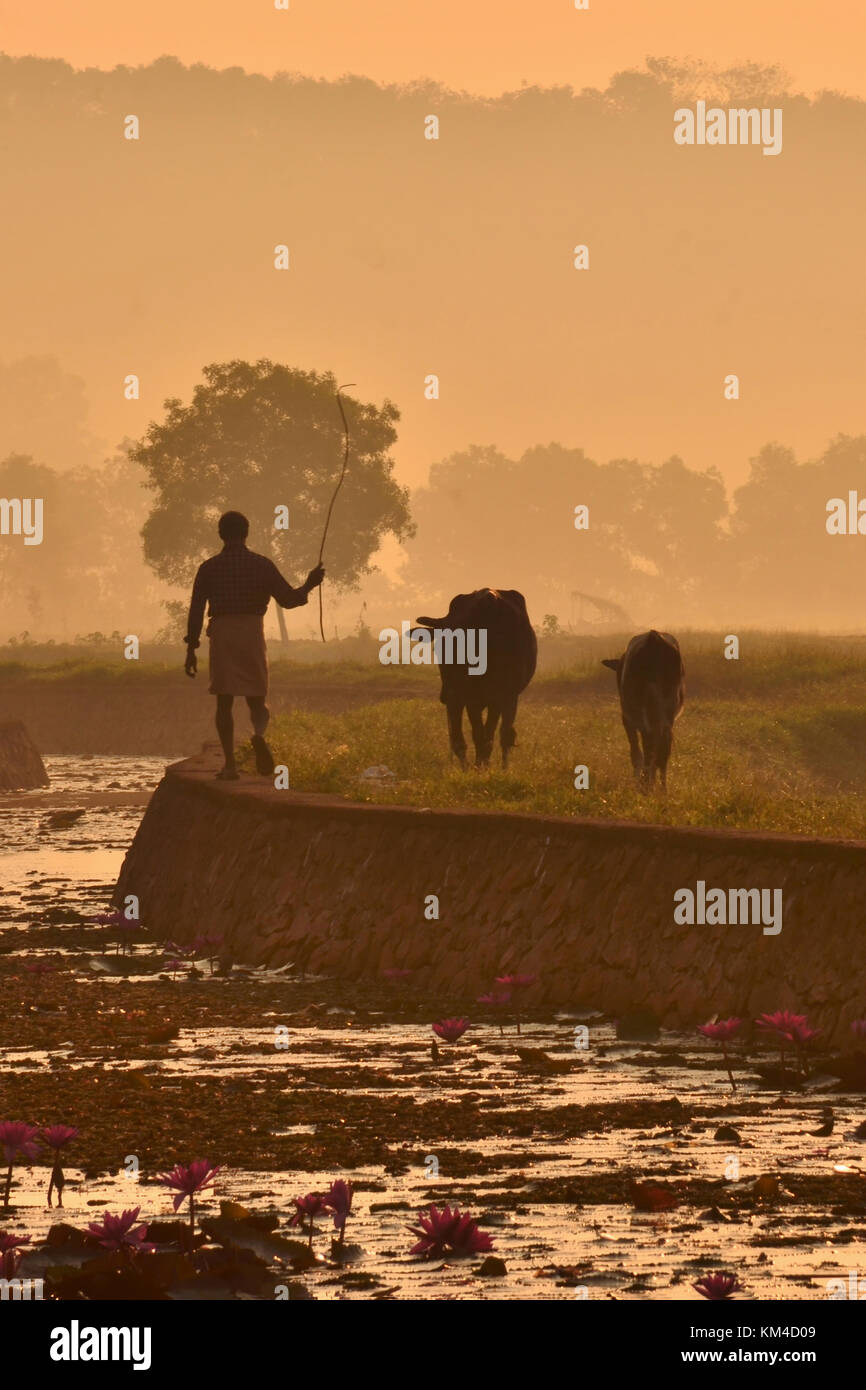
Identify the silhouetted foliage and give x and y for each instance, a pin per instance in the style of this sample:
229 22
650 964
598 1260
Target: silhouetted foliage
257 437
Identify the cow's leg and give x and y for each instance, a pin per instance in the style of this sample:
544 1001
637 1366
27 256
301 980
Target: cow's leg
634 747
507 735
483 746
650 758
455 731
664 744
490 723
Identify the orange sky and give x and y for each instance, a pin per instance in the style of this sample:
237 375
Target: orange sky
485 46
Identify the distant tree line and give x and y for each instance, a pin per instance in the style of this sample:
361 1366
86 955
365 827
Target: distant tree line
663 542
656 543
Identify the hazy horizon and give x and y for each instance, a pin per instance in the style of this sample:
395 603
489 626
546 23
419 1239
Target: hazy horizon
487 47
453 257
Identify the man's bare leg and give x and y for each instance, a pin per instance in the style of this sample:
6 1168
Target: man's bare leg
226 729
260 715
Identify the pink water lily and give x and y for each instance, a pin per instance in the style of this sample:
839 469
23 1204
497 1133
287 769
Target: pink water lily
496 1000
187 1180
120 1232
858 1027
788 1027
517 982
443 1231
718 1286
8 1241
338 1200
10 1253
722 1032
394 974
308 1208
451 1029
9 1262
782 1023
16 1138
58 1136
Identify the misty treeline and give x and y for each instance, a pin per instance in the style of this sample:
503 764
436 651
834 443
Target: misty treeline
591 543
665 543
88 575
412 256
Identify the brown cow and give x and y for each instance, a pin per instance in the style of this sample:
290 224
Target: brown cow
511 652
650 677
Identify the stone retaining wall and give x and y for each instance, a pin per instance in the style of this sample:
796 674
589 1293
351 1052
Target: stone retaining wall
340 888
21 767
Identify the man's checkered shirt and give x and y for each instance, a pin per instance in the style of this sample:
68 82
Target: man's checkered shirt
238 581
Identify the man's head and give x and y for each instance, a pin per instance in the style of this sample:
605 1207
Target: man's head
233 526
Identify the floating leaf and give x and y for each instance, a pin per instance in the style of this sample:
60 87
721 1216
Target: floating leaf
247 1235
652 1196
767 1185
233 1211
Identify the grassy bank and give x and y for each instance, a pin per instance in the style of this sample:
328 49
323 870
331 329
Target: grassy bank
775 740
769 663
754 764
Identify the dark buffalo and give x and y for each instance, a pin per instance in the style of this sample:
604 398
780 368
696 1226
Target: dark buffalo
650 677
512 651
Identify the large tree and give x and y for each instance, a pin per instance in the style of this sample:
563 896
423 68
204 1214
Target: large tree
261 436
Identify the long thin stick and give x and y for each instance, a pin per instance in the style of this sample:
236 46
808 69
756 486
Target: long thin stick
334 497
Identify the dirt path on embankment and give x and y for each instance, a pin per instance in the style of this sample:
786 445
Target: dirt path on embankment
171 716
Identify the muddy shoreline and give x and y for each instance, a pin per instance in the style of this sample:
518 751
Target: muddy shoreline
289 1082
154 1067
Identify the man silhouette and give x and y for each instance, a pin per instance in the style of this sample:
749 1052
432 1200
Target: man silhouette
238 585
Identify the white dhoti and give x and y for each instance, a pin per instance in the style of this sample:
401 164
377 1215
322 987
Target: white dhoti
238 655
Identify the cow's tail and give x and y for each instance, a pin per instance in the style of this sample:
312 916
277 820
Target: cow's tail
660 710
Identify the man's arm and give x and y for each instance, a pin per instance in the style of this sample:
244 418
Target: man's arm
196 609
286 596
